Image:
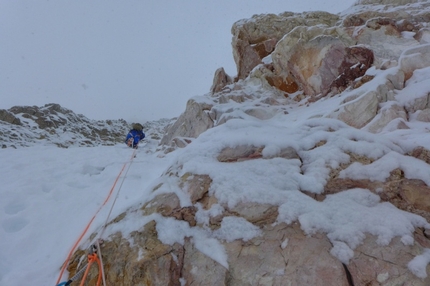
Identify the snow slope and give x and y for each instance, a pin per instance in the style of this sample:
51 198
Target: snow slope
48 196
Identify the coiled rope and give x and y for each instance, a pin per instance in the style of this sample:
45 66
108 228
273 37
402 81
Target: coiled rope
66 262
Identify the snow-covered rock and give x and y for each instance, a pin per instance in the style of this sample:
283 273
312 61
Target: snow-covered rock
273 183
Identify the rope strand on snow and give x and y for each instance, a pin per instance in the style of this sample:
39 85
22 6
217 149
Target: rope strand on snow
107 218
117 195
66 263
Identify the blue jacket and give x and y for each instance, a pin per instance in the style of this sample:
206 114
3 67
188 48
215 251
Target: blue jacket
133 137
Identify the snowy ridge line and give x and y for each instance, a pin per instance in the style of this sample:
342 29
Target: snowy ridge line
52 124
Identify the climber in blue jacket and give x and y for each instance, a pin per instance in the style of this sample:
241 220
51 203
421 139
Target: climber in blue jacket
134 135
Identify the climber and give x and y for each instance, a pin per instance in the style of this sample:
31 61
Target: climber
135 135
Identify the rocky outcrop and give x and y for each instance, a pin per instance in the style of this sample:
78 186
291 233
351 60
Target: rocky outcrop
386 115
309 56
359 112
415 58
271 192
283 256
407 194
374 264
9 117
194 121
268 250
256 38
221 79
383 32
145 261
245 152
322 64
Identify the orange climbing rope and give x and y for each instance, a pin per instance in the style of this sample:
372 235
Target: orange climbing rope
65 264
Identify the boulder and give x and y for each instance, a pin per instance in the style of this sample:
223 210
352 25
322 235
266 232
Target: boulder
354 65
418 103
163 204
397 79
145 261
197 186
416 194
9 117
406 194
414 58
247 152
423 36
256 38
319 60
384 36
285 83
375 264
421 153
258 214
358 112
424 115
240 153
385 116
200 269
191 123
221 79
284 255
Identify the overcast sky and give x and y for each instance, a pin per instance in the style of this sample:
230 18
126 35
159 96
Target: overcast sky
137 59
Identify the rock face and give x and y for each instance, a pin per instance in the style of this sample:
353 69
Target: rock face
190 124
277 254
256 38
53 124
315 55
321 64
367 72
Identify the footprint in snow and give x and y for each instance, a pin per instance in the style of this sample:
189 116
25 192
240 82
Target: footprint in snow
14 224
92 170
14 207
